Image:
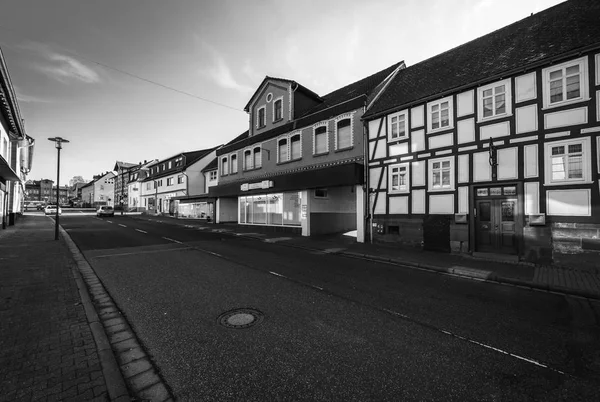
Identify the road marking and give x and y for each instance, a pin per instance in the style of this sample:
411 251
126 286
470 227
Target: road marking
317 287
525 359
109 221
122 225
276 239
276 274
141 252
141 231
173 240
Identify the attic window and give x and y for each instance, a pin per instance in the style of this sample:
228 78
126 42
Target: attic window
260 118
277 110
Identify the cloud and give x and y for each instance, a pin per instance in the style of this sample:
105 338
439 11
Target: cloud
60 66
31 99
220 73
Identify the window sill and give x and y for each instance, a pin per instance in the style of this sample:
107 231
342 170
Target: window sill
568 183
260 127
565 103
344 149
399 139
251 169
441 190
483 120
399 192
289 161
440 130
278 120
321 154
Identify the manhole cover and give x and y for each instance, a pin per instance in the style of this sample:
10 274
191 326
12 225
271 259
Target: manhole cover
240 318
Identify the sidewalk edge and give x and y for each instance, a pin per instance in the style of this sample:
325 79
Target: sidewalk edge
115 383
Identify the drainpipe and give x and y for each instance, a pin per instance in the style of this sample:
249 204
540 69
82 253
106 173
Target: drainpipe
367 189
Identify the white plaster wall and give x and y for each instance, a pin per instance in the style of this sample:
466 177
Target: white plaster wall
418 201
465 104
507 163
532 198
574 202
466 131
494 130
416 116
417 141
566 118
525 87
531 160
527 120
441 204
398 205
481 167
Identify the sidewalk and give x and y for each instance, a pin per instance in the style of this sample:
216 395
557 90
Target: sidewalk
47 348
569 280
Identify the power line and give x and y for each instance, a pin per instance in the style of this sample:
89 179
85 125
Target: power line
131 74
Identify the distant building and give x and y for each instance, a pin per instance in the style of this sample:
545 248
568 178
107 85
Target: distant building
121 180
100 191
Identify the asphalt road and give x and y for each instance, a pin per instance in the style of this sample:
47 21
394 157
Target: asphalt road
334 328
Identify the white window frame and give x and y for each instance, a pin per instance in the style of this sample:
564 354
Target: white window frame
430 163
233 168
244 164
212 175
224 165
390 125
258 116
507 100
586 160
335 128
259 147
170 164
169 181
287 144
274 102
583 81
430 105
391 175
314 137
298 133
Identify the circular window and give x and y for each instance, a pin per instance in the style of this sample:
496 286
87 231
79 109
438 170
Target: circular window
269 97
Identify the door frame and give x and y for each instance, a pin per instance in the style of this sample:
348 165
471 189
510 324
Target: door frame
519 217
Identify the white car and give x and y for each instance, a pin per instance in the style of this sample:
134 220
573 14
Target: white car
51 210
105 210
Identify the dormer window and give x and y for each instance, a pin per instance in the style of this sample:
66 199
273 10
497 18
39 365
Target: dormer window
277 110
260 118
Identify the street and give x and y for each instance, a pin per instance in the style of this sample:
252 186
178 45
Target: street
334 328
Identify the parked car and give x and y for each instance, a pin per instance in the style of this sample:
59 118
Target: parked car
51 210
105 210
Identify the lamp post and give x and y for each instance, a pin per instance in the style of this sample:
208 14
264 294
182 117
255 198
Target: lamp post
58 143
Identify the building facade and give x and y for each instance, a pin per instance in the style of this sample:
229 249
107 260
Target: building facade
100 191
137 174
299 167
16 151
175 180
121 184
493 148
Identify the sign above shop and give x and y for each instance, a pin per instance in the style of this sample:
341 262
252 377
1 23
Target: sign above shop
255 186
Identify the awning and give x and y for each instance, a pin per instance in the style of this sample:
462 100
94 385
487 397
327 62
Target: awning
188 199
6 172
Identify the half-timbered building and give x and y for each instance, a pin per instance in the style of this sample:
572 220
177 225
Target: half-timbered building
493 147
300 166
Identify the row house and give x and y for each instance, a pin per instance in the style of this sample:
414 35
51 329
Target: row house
201 206
493 147
16 150
136 176
174 180
300 165
100 191
121 184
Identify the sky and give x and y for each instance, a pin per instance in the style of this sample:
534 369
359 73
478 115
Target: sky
135 80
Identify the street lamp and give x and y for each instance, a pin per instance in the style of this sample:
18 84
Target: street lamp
58 143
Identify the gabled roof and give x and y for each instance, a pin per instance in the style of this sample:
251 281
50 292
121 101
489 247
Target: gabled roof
213 165
194 156
123 165
297 87
573 26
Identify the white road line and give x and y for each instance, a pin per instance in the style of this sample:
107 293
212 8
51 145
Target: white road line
141 231
122 225
525 359
141 252
173 240
109 221
317 287
276 274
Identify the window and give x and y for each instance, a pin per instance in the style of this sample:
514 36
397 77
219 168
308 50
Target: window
399 178
566 83
320 193
170 164
224 167
234 163
162 167
440 114
170 181
212 175
568 162
247 159
397 125
282 150
257 160
343 133
277 110
180 179
441 174
494 100
320 140
295 147
260 117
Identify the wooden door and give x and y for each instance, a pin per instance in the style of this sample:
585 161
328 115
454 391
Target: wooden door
495 225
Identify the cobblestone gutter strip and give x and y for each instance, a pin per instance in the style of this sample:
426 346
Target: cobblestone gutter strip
122 357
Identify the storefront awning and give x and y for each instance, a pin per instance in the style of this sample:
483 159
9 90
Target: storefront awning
332 176
6 172
185 199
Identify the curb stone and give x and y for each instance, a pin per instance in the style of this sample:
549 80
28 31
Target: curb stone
122 341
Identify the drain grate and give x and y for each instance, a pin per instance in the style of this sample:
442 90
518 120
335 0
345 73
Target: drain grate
240 318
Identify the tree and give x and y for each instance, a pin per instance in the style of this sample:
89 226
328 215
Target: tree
75 180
